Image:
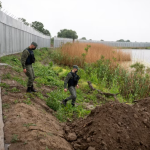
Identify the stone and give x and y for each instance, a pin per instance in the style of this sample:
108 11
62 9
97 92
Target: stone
72 137
91 148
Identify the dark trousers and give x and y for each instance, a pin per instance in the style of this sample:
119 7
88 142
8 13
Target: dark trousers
73 95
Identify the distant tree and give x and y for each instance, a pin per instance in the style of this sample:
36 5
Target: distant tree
65 33
0 4
83 38
24 21
46 32
102 40
90 39
121 40
40 27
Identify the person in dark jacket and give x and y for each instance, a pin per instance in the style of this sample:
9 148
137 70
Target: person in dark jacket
27 59
72 81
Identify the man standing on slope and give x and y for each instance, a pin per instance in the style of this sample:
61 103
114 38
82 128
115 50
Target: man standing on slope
27 59
72 81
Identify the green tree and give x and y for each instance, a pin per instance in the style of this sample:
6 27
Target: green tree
65 33
102 40
122 40
83 38
24 21
46 32
40 27
127 40
0 4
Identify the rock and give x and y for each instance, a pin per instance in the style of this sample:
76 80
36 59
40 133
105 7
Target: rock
77 146
72 137
88 139
145 121
135 116
91 148
90 107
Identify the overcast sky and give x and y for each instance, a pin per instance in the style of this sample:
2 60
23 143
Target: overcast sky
109 20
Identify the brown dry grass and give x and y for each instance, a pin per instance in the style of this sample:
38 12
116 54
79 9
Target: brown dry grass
95 52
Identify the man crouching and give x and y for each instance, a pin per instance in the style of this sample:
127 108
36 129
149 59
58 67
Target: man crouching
72 81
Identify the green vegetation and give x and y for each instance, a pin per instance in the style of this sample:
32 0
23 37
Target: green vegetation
65 33
0 4
24 21
103 74
5 105
40 27
122 40
83 38
29 124
14 138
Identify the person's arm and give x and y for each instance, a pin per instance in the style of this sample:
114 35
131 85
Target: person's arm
24 57
66 80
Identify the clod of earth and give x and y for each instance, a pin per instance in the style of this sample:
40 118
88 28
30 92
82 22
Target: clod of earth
72 137
114 126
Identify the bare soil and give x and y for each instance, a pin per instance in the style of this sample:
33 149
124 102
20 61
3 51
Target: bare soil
32 126
113 126
29 126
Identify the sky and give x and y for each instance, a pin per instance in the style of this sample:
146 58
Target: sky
108 20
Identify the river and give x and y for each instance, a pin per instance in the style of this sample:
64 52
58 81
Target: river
139 55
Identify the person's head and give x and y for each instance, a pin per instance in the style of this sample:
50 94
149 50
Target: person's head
33 46
75 68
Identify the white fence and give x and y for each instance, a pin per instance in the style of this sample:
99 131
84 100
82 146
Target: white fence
59 41
15 36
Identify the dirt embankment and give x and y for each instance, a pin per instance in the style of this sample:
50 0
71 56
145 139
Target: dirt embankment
113 126
29 122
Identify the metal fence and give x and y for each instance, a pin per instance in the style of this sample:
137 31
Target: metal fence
59 41
15 36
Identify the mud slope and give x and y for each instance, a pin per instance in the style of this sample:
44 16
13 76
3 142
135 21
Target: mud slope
113 126
29 123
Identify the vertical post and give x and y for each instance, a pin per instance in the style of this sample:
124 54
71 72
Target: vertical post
1 124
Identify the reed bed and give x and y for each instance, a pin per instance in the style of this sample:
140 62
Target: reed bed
72 53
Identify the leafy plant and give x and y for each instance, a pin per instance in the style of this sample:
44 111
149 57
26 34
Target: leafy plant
14 138
28 101
139 68
5 105
29 124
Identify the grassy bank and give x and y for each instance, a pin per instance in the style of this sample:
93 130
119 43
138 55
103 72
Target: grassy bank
103 75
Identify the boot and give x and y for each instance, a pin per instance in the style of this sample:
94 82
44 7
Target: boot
32 89
64 102
29 90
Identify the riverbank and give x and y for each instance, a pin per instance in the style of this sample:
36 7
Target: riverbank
33 121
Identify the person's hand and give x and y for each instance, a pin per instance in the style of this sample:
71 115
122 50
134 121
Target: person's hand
24 70
65 90
77 86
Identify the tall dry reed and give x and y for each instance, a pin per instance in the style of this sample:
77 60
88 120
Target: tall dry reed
72 53
95 52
